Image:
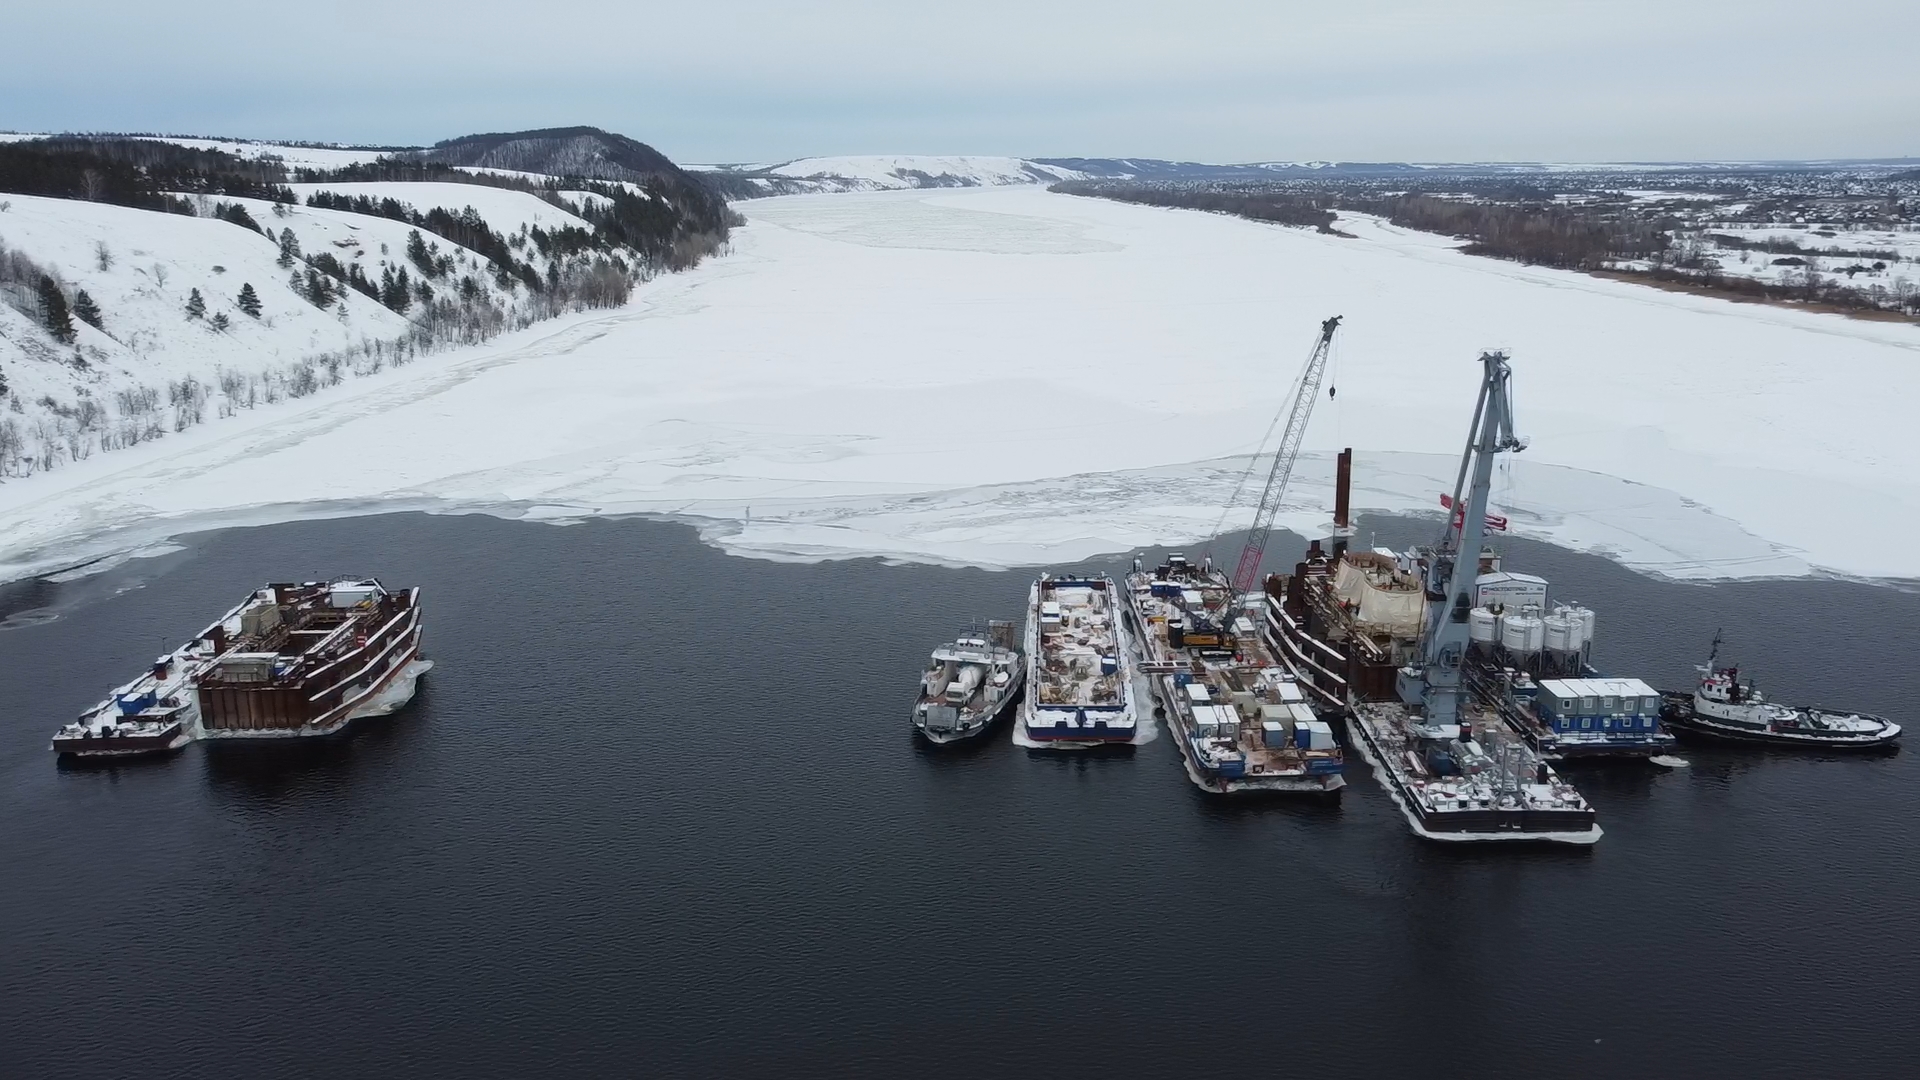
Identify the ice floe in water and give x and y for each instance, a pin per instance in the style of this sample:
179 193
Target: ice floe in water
1076 517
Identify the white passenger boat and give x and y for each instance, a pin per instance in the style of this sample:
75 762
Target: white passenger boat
968 684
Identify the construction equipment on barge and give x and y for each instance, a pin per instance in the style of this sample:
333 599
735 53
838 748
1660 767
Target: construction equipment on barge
1384 639
1241 722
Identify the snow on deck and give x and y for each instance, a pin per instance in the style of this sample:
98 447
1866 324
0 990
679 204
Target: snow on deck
1073 652
979 377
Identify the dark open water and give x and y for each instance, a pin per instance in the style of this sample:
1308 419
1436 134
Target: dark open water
658 813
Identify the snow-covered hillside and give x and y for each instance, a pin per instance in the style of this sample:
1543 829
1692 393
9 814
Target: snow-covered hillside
152 367
899 172
141 268
148 289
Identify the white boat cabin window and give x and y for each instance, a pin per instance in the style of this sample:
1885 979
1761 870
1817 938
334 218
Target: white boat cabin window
1585 723
1566 704
1587 704
1606 703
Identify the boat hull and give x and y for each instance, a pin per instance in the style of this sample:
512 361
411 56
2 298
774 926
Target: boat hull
94 747
1551 748
1683 720
392 692
1054 738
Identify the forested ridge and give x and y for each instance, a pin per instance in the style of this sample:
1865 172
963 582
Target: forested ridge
109 342
672 221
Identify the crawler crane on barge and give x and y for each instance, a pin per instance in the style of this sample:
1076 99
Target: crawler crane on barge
1241 722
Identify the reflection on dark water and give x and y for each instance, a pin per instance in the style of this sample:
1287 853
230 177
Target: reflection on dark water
268 769
659 812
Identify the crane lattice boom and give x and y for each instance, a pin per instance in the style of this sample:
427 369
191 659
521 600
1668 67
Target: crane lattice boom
1247 574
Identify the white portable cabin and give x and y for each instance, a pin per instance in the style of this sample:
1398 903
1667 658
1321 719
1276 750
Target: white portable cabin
1598 704
1510 591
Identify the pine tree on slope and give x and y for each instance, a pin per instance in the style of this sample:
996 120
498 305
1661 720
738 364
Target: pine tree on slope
54 303
249 301
196 305
319 289
418 253
86 309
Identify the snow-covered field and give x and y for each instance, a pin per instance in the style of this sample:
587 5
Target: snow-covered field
1904 243
296 157
505 209
1000 376
1895 264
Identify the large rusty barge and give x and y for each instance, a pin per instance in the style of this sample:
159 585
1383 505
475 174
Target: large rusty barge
289 661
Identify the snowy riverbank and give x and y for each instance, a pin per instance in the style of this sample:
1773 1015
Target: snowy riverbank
1008 376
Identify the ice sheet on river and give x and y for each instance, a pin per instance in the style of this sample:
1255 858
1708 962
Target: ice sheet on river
1009 376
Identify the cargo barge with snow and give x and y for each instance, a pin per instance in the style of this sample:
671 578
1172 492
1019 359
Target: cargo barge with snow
1079 680
1385 640
968 684
291 660
1240 721
1722 707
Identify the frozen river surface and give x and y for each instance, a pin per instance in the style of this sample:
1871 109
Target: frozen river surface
1004 377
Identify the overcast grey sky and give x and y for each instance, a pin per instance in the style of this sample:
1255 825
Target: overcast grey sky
1212 80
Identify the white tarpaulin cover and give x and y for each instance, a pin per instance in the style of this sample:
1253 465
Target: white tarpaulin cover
1398 611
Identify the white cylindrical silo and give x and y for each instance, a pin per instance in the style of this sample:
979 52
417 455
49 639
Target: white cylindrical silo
1483 626
1558 632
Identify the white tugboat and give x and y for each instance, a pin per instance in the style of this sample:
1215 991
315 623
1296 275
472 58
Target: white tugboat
1079 679
968 684
1722 707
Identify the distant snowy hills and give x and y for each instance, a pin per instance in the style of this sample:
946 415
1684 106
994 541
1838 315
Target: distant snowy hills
897 172
1156 169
